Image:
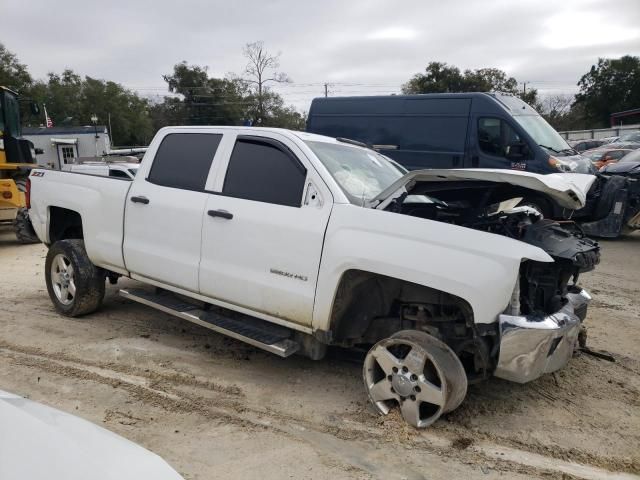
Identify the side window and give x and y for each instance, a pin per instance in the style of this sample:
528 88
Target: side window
119 174
183 160
266 171
495 135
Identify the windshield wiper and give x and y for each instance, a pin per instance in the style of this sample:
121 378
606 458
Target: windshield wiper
550 148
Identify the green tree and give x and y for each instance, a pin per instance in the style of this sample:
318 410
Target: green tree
202 100
613 85
13 74
439 77
70 100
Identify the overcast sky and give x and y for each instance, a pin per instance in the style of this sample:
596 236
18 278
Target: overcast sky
357 46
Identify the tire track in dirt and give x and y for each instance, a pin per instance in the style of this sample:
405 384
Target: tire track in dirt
166 390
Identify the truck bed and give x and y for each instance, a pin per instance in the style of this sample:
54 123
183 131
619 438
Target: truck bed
88 195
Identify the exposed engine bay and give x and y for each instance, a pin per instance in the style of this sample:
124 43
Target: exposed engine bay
497 208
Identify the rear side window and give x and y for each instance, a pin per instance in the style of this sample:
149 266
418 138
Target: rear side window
265 171
183 160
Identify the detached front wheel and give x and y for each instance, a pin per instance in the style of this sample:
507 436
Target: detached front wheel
416 371
75 285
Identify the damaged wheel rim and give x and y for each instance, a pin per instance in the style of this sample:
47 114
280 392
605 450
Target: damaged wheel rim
422 379
63 279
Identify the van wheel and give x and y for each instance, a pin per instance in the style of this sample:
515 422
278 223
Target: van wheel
23 227
75 285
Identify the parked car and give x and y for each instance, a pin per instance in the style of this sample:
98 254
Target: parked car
603 156
629 165
292 242
627 172
582 145
607 140
633 137
40 442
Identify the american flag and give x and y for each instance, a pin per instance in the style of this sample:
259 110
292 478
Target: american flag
48 121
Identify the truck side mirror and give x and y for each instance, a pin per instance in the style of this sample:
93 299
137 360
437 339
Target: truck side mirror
517 151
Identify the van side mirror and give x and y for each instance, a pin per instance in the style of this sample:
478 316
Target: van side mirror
517 151
35 108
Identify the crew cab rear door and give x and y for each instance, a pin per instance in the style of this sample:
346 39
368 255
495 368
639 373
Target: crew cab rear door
164 209
264 228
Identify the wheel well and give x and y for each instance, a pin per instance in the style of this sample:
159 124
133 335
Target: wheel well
369 307
64 224
363 297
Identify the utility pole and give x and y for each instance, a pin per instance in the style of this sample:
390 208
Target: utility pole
524 88
326 90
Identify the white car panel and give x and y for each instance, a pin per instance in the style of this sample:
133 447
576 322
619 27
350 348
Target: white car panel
479 267
40 442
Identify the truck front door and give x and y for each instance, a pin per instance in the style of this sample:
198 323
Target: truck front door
263 230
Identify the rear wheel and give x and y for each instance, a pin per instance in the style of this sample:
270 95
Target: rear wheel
75 285
416 371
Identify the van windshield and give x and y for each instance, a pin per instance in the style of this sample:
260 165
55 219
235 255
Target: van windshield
361 173
544 134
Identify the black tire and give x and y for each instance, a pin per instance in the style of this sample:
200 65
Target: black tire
88 280
23 227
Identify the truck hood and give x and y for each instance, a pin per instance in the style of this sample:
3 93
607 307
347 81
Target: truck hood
41 442
569 190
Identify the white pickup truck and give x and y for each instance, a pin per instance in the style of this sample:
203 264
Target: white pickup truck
293 242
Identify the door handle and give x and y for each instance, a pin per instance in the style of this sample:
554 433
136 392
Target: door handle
221 214
140 199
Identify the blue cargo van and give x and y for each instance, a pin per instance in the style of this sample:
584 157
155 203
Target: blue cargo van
452 130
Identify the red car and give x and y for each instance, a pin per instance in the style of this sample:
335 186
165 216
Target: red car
604 156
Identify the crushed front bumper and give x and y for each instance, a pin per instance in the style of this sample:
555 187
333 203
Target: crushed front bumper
532 346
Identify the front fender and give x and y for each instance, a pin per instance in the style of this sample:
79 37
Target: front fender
478 267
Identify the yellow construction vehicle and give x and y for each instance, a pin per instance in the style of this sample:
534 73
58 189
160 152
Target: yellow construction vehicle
17 158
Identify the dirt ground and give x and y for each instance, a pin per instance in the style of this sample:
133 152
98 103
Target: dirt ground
216 408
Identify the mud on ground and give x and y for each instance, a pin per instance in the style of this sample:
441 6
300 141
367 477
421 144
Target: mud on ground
216 408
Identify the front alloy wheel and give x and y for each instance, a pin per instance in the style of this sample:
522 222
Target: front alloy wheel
416 371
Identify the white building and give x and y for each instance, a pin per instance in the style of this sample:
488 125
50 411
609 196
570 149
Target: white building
60 145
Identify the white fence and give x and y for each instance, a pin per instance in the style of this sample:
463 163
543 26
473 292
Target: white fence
600 133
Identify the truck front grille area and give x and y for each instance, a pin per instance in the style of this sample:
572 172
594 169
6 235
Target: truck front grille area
544 286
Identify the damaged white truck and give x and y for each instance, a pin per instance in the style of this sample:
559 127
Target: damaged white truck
293 242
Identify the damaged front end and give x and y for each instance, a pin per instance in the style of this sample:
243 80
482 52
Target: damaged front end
531 345
538 331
